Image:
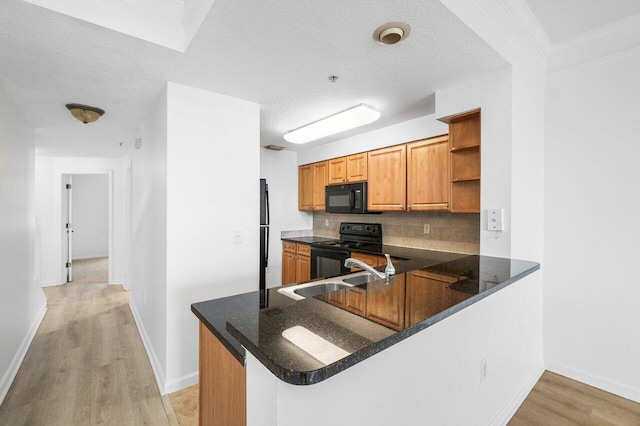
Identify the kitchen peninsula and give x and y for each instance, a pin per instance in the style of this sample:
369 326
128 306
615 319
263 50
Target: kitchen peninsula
360 370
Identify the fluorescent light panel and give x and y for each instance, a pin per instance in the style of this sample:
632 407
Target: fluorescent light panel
348 119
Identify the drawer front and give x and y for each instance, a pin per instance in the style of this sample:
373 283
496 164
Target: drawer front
304 249
289 246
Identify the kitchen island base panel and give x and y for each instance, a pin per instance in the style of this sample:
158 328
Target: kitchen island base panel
430 378
223 384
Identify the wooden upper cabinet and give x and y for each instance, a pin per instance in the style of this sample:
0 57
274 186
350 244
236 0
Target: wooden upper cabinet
387 179
305 187
320 180
357 167
312 179
464 136
348 169
337 170
428 174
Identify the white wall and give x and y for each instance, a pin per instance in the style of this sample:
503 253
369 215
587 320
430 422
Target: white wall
46 245
49 212
431 378
213 182
148 225
591 224
280 170
90 216
195 182
22 303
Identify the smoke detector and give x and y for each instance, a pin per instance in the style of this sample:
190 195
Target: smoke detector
391 32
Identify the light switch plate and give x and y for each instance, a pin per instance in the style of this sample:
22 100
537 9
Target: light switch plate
237 236
495 221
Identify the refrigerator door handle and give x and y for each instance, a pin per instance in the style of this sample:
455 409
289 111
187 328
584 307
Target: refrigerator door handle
266 196
266 249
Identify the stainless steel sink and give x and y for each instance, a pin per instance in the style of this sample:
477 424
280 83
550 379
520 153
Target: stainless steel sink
360 279
315 288
318 289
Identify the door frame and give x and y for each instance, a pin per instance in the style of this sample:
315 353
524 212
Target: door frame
59 219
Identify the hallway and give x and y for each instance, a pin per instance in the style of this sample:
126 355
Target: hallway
86 365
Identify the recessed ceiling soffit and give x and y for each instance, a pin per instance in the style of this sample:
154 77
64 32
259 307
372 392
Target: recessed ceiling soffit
168 23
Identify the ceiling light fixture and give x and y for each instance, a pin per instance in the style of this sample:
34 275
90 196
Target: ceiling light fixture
351 118
391 32
85 113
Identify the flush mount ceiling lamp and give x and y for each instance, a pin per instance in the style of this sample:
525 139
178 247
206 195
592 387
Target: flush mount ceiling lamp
85 113
391 32
351 118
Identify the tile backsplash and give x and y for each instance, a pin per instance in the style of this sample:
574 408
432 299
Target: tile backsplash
447 231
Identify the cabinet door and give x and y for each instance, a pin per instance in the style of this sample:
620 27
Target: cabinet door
426 295
428 174
288 267
336 298
305 187
337 170
223 383
385 302
303 268
388 179
357 167
356 301
320 180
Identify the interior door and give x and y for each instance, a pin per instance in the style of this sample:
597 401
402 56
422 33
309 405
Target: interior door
66 225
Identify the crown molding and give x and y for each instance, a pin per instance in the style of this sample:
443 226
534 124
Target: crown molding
600 43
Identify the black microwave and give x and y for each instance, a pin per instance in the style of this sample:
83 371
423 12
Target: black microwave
348 198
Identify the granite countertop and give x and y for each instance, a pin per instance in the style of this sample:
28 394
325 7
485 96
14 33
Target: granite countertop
276 329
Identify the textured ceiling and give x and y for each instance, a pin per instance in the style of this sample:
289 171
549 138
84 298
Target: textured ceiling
563 19
279 54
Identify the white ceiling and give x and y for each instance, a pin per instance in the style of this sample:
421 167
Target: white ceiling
277 53
563 19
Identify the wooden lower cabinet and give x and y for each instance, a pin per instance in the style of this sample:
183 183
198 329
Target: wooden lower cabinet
356 301
296 262
385 302
427 294
223 384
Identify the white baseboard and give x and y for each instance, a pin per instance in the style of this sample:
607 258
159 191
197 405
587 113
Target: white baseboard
182 382
518 397
117 282
595 381
49 283
158 372
92 256
12 371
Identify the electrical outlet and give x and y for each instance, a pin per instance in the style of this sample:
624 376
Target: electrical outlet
326 222
427 228
495 221
483 370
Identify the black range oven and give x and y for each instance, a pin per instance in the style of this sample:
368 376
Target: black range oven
327 257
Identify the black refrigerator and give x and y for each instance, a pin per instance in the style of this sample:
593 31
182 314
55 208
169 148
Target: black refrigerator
264 232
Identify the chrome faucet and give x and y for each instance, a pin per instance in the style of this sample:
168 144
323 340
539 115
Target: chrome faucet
389 271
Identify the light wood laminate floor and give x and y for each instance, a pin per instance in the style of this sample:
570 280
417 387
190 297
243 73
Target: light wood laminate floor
86 365
559 401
